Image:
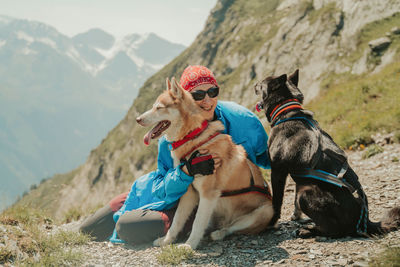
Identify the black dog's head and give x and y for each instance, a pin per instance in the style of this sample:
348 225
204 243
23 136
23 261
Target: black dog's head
276 89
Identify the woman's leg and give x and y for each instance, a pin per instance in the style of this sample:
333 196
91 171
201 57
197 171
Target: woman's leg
145 226
141 226
101 225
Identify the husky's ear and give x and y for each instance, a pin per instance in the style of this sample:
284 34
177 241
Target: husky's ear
294 78
275 83
176 90
168 83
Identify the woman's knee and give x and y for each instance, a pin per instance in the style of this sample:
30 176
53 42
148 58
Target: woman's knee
100 224
140 226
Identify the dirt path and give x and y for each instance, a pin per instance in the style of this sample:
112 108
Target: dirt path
380 176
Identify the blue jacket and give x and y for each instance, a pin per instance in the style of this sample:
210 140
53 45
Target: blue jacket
162 188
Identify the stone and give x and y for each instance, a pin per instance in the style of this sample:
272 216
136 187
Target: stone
379 44
395 30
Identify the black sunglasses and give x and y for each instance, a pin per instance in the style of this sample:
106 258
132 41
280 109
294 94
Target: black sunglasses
200 95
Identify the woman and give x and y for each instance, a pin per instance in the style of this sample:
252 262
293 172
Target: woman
146 212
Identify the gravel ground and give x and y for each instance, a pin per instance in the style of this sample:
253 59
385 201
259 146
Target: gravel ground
380 176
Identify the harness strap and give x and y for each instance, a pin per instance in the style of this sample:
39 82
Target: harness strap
323 176
200 144
251 189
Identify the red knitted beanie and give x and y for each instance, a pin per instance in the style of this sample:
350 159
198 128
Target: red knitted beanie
194 76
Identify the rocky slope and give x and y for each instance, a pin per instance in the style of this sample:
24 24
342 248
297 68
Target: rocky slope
242 42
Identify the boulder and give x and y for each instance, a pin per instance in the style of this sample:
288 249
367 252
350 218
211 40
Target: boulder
380 44
395 30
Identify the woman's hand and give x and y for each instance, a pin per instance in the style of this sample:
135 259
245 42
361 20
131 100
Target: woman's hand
215 156
201 163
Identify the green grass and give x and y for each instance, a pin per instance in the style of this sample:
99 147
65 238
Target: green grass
28 230
372 150
389 258
73 214
173 255
351 108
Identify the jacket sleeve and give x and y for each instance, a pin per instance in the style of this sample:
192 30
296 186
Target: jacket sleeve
247 130
160 189
261 145
175 181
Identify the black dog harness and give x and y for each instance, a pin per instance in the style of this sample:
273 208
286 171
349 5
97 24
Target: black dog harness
334 179
251 189
317 174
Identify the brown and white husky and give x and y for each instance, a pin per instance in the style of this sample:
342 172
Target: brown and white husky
222 203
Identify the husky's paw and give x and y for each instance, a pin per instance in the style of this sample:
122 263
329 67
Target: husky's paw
218 235
186 246
162 241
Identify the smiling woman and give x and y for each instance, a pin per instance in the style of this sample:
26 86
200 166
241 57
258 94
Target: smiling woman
146 212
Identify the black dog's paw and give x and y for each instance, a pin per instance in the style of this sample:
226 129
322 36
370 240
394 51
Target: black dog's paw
308 231
301 220
305 233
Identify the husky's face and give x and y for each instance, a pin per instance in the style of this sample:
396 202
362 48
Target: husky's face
169 112
275 89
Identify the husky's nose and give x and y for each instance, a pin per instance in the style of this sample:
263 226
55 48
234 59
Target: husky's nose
139 120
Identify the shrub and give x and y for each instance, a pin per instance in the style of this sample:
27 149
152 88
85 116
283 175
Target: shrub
372 150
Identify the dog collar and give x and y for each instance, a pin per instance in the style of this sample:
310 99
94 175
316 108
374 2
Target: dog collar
287 105
192 135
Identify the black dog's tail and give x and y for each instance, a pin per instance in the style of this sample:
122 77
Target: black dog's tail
389 222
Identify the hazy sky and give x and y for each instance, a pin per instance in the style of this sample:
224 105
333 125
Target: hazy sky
175 20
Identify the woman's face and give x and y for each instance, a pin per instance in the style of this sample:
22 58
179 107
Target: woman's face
208 104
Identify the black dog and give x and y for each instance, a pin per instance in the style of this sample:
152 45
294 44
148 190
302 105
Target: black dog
328 190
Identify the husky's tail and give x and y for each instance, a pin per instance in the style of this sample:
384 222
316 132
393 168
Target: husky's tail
389 222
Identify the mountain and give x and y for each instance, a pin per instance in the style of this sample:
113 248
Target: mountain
59 96
333 43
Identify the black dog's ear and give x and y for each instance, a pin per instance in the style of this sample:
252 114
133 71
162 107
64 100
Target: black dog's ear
294 78
282 79
277 82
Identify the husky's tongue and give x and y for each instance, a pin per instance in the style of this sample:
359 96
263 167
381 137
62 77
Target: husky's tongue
156 131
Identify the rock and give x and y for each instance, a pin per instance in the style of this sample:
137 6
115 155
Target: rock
360 264
316 251
380 44
254 242
395 30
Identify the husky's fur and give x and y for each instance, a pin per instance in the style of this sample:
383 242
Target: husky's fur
293 146
245 213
